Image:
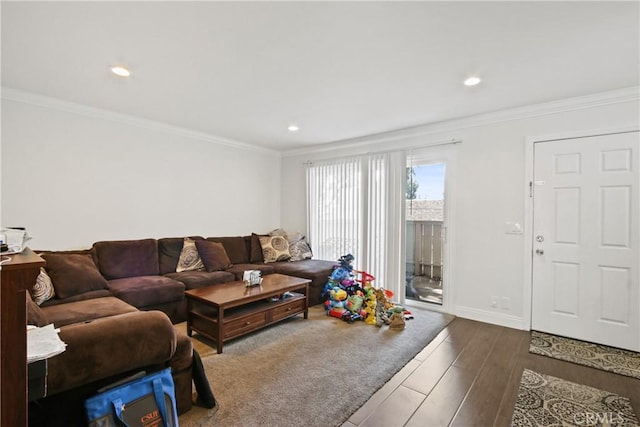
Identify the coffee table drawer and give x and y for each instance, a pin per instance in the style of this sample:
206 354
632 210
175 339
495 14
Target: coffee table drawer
243 324
288 309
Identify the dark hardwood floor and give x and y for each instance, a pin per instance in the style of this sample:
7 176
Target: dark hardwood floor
469 376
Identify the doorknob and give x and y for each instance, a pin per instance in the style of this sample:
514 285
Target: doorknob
539 251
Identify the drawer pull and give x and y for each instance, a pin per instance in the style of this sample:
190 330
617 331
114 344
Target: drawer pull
289 309
247 323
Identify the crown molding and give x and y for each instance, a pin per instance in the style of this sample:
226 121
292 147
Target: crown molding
569 104
617 96
38 100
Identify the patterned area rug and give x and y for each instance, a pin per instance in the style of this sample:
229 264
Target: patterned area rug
544 400
597 356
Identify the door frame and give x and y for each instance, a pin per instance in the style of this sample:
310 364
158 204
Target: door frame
527 294
448 156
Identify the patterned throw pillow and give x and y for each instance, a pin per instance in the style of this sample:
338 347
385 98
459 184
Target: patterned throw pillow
189 257
43 289
274 248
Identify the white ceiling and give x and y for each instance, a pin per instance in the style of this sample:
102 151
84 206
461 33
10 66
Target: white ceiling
244 71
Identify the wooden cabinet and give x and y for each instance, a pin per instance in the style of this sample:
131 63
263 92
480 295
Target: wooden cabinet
17 275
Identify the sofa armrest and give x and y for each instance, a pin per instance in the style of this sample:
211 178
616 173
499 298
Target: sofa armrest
109 346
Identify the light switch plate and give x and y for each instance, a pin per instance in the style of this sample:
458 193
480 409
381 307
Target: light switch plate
512 227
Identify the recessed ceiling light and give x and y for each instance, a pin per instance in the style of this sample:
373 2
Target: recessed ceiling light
472 81
120 71
293 128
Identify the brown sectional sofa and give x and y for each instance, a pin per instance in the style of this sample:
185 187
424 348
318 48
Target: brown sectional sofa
107 304
245 253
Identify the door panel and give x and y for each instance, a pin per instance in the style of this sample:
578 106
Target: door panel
616 220
566 280
585 262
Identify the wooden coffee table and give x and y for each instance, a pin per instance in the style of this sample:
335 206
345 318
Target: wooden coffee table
228 310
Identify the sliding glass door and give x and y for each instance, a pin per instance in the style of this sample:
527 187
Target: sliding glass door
391 212
424 215
428 213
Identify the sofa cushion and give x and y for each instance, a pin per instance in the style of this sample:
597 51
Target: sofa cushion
110 346
100 293
255 248
143 291
73 274
213 255
199 279
313 269
235 247
275 248
86 310
35 315
43 289
239 269
127 258
189 257
169 249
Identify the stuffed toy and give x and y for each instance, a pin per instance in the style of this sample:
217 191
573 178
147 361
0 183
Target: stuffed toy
382 318
341 276
370 309
354 308
396 318
338 294
383 304
345 262
344 271
381 298
354 303
385 296
336 301
352 287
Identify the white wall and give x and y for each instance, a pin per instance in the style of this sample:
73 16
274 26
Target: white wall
73 179
490 190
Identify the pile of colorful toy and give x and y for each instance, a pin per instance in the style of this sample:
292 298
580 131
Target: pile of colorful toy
351 296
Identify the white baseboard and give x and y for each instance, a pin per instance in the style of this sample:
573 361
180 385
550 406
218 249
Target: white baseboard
492 317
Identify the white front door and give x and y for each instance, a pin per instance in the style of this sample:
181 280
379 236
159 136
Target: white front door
586 236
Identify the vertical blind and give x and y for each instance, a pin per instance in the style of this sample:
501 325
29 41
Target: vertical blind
355 206
377 214
334 191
